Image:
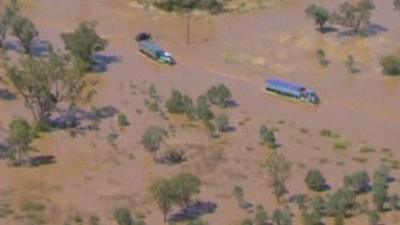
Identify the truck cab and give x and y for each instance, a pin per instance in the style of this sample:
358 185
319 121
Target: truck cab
309 95
165 57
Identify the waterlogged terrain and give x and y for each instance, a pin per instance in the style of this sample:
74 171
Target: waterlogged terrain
92 176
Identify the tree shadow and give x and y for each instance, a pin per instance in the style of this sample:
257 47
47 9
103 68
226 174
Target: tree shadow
72 118
8 45
41 48
327 29
3 151
101 62
42 160
372 30
194 211
232 104
5 94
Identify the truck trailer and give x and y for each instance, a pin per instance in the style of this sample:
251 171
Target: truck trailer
292 90
149 48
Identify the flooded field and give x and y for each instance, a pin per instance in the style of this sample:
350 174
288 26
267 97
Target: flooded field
240 50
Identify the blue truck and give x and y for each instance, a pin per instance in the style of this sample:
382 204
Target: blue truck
292 90
149 48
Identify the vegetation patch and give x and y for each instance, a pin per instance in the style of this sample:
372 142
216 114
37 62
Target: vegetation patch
391 65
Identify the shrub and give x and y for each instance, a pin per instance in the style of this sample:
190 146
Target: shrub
219 95
246 222
175 156
315 180
153 137
179 103
123 120
322 57
222 122
261 216
123 216
268 137
311 218
358 182
202 109
391 65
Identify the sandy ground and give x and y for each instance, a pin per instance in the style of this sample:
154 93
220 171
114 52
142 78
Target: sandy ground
241 51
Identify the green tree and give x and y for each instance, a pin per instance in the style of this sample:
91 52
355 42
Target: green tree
279 170
219 95
25 31
187 186
319 14
44 83
261 216
357 182
83 43
355 15
315 180
123 216
11 12
268 137
165 194
20 135
153 137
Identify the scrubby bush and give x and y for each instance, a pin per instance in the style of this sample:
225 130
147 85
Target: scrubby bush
175 156
153 137
123 216
268 137
247 221
311 218
315 180
261 216
123 120
391 65
373 218
179 103
202 109
357 182
323 60
222 122
340 203
219 95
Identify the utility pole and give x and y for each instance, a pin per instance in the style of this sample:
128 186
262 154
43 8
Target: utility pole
188 26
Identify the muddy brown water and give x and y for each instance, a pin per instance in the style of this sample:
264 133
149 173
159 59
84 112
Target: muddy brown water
239 50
